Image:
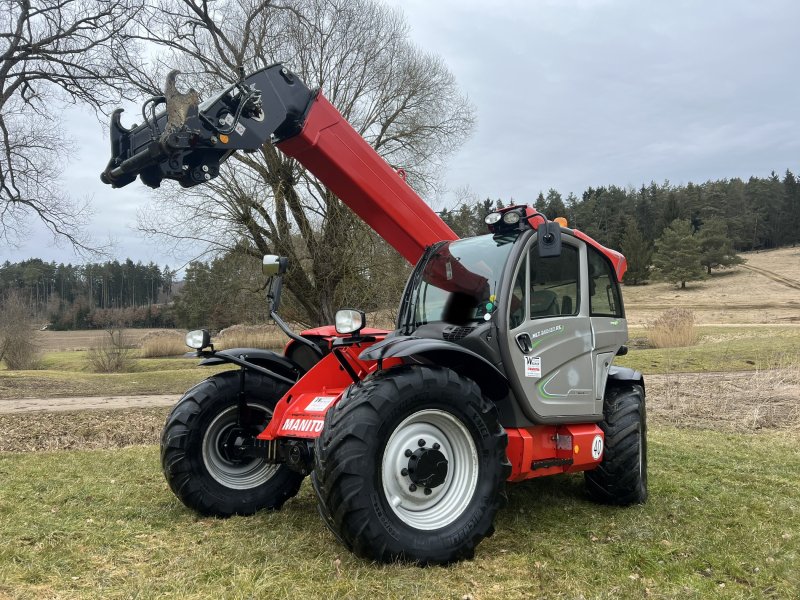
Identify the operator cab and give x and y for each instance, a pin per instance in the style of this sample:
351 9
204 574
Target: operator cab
539 301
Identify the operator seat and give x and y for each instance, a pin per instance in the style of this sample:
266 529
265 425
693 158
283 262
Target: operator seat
544 303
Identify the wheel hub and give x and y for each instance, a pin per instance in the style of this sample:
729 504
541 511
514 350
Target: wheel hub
427 467
231 445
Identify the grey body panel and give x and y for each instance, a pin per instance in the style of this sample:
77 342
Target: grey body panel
561 376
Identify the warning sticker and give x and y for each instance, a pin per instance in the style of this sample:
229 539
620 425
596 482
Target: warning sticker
240 129
533 366
320 403
597 447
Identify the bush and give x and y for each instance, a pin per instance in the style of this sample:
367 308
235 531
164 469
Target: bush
169 342
673 329
18 347
112 354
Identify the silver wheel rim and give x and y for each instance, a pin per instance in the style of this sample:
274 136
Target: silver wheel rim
446 502
238 476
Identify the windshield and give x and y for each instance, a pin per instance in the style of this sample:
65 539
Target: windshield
459 282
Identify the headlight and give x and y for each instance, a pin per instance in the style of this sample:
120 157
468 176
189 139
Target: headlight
511 218
492 218
198 339
349 320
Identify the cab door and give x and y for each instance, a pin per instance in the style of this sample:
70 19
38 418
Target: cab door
609 327
549 341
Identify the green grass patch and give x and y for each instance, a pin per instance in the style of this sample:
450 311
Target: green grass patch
723 521
728 349
54 384
68 373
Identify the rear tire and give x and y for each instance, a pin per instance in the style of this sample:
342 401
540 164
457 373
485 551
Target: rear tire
371 451
195 461
621 477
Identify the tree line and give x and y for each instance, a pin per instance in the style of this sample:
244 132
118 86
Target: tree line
675 232
760 213
93 294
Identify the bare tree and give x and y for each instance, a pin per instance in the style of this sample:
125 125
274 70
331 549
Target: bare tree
404 101
18 347
53 52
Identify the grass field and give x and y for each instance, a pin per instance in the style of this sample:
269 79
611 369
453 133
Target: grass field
723 521
727 349
95 518
766 289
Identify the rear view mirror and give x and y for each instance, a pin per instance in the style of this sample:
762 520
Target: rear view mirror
273 265
549 239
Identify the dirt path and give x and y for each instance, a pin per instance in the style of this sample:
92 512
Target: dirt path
26 405
774 277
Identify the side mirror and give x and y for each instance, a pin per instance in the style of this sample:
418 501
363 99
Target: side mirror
272 265
349 320
549 239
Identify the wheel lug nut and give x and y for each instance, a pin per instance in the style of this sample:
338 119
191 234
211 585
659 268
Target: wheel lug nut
404 472
412 487
427 491
421 443
408 452
436 446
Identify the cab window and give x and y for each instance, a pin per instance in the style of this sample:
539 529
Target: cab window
604 297
554 288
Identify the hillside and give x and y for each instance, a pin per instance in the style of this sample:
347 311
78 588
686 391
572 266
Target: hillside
766 289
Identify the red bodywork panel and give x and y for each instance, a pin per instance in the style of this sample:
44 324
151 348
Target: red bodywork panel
549 450
618 261
329 332
340 158
301 412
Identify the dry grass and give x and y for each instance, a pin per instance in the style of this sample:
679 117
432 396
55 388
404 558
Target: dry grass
163 342
741 402
83 339
86 429
673 329
250 336
738 295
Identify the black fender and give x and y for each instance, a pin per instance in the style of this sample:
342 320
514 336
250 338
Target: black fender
262 358
618 375
466 363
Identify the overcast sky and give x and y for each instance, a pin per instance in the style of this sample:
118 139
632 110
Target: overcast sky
568 94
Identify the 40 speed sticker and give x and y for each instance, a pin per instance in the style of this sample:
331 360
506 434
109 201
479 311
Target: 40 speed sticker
597 447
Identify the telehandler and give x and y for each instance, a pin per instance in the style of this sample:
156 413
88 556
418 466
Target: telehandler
499 369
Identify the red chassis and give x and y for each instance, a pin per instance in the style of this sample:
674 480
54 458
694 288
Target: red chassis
532 451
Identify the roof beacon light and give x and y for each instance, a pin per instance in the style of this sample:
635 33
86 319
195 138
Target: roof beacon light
561 221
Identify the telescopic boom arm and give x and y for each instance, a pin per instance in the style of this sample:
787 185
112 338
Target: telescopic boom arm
188 142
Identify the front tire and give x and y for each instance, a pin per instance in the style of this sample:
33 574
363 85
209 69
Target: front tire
195 455
621 477
411 465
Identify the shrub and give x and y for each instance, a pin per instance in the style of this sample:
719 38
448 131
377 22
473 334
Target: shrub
18 347
674 328
112 354
169 342
251 336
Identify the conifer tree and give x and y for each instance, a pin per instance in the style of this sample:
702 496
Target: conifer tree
677 255
639 253
716 248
